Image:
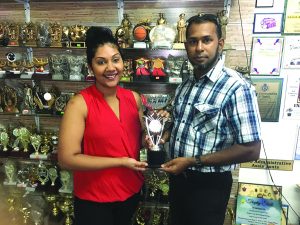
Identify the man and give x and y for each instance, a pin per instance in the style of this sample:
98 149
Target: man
216 126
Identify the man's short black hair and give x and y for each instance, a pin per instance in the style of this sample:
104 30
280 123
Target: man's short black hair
203 18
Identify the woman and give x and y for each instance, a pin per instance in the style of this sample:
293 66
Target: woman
100 137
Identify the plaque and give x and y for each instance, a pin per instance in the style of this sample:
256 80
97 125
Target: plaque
267 23
268 97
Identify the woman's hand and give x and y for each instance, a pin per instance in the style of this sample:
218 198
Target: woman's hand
134 164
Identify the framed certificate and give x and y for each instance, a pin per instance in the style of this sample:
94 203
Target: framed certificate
292 17
291 52
267 23
268 97
258 204
264 3
266 49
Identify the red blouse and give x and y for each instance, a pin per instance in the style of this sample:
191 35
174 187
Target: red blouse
106 135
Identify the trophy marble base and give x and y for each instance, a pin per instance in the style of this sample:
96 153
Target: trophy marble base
75 77
12 74
19 154
140 44
41 76
178 46
155 158
65 191
175 80
141 78
39 156
57 77
77 44
2 73
26 75
6 183
30 189
158 78
27 112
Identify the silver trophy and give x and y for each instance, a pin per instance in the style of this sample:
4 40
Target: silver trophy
155 127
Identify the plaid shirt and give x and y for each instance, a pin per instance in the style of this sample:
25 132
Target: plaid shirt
214 113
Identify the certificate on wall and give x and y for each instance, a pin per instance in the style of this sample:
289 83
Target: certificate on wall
267 23
297 151
264 3
258 204
292 17
268 97
291 52
292 97
266 56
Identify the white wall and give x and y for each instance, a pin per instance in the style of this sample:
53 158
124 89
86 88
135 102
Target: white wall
279 140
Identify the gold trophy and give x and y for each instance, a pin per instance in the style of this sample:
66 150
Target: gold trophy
30 34
77 36
2 68
53 175
181 32
28 101
28 66
52 199
55 31
13 34
10 173
123 32
43 175
22 141
36 141
40 64
67 208
4 140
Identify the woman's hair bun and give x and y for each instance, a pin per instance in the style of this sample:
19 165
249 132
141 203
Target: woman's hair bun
99 35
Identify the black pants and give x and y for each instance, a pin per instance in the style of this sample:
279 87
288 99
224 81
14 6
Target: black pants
115 213
199 198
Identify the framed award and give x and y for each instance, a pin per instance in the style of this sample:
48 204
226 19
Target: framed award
264 3
291 52
267 23
292 17
266 49
268 97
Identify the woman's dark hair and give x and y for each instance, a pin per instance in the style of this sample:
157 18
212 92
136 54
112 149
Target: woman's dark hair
98 36
203 18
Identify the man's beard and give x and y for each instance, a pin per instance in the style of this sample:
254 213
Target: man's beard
207 66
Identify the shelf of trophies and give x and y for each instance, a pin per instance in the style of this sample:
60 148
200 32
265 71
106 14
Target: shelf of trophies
35 192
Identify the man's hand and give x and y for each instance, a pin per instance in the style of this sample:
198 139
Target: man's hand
178 165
